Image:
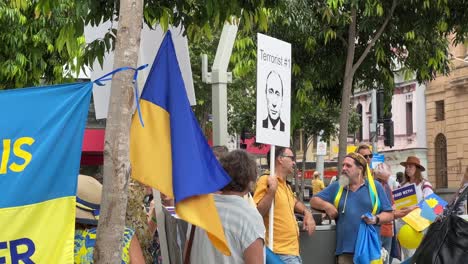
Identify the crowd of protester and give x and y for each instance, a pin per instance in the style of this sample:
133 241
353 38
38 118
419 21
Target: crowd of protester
244 207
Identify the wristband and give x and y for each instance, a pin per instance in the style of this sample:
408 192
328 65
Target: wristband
377 220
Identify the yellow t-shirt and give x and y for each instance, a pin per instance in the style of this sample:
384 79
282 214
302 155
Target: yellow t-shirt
285 231
317 186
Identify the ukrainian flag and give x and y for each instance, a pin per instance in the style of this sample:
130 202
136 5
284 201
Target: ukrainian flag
368 246
40 149
170 152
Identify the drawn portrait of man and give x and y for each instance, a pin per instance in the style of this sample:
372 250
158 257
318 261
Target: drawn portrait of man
274 97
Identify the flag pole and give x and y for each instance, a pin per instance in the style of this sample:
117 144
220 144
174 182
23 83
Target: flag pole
161 226
272 208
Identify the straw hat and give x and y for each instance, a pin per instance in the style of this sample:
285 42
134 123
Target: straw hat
413 160
88 200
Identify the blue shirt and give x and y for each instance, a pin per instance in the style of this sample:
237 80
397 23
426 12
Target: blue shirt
359 203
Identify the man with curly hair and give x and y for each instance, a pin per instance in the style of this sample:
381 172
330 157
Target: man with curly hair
348 200
242 224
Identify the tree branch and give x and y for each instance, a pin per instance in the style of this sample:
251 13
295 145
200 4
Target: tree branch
343 40
375 38
347 87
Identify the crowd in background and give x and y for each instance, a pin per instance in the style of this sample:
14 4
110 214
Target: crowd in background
244 206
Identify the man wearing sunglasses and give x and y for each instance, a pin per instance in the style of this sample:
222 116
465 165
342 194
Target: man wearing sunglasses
285 228
366 152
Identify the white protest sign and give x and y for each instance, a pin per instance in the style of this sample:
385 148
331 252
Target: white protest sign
273 91
321 148
377 159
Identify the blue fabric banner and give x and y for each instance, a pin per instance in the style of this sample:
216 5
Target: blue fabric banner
40 150
368 246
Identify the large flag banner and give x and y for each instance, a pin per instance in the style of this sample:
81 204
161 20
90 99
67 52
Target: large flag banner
40 150
170 152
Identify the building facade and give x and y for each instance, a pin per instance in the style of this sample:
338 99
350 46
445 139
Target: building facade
408 116
447 122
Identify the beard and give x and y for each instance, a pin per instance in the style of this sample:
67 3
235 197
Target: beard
344 180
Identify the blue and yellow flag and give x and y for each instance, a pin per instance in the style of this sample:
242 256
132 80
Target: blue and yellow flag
170 153
368 246
41 139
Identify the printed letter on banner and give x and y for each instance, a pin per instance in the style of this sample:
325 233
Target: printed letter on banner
40 150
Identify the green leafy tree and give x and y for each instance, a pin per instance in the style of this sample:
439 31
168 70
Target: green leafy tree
339 45
36 49
242 93
43 42
199 18
305 102
367 40
202 109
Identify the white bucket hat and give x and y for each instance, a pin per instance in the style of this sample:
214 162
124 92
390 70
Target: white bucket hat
88 200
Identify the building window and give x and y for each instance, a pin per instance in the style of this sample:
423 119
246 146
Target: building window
441 161
440 110
409 118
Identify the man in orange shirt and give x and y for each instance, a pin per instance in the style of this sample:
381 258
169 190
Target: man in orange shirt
285 229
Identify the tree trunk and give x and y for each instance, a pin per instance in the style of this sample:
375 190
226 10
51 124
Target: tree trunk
295 174
296 184
116 151
136 218
349 75
347 88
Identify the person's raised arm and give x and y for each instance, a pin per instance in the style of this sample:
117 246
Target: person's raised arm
265 193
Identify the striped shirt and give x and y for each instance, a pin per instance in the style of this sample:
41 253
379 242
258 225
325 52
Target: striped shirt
242 225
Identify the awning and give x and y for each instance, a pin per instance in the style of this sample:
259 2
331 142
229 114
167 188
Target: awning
255 148
93 147
252 146
93 141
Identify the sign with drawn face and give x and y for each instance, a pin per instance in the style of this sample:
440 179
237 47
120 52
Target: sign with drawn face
273 91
